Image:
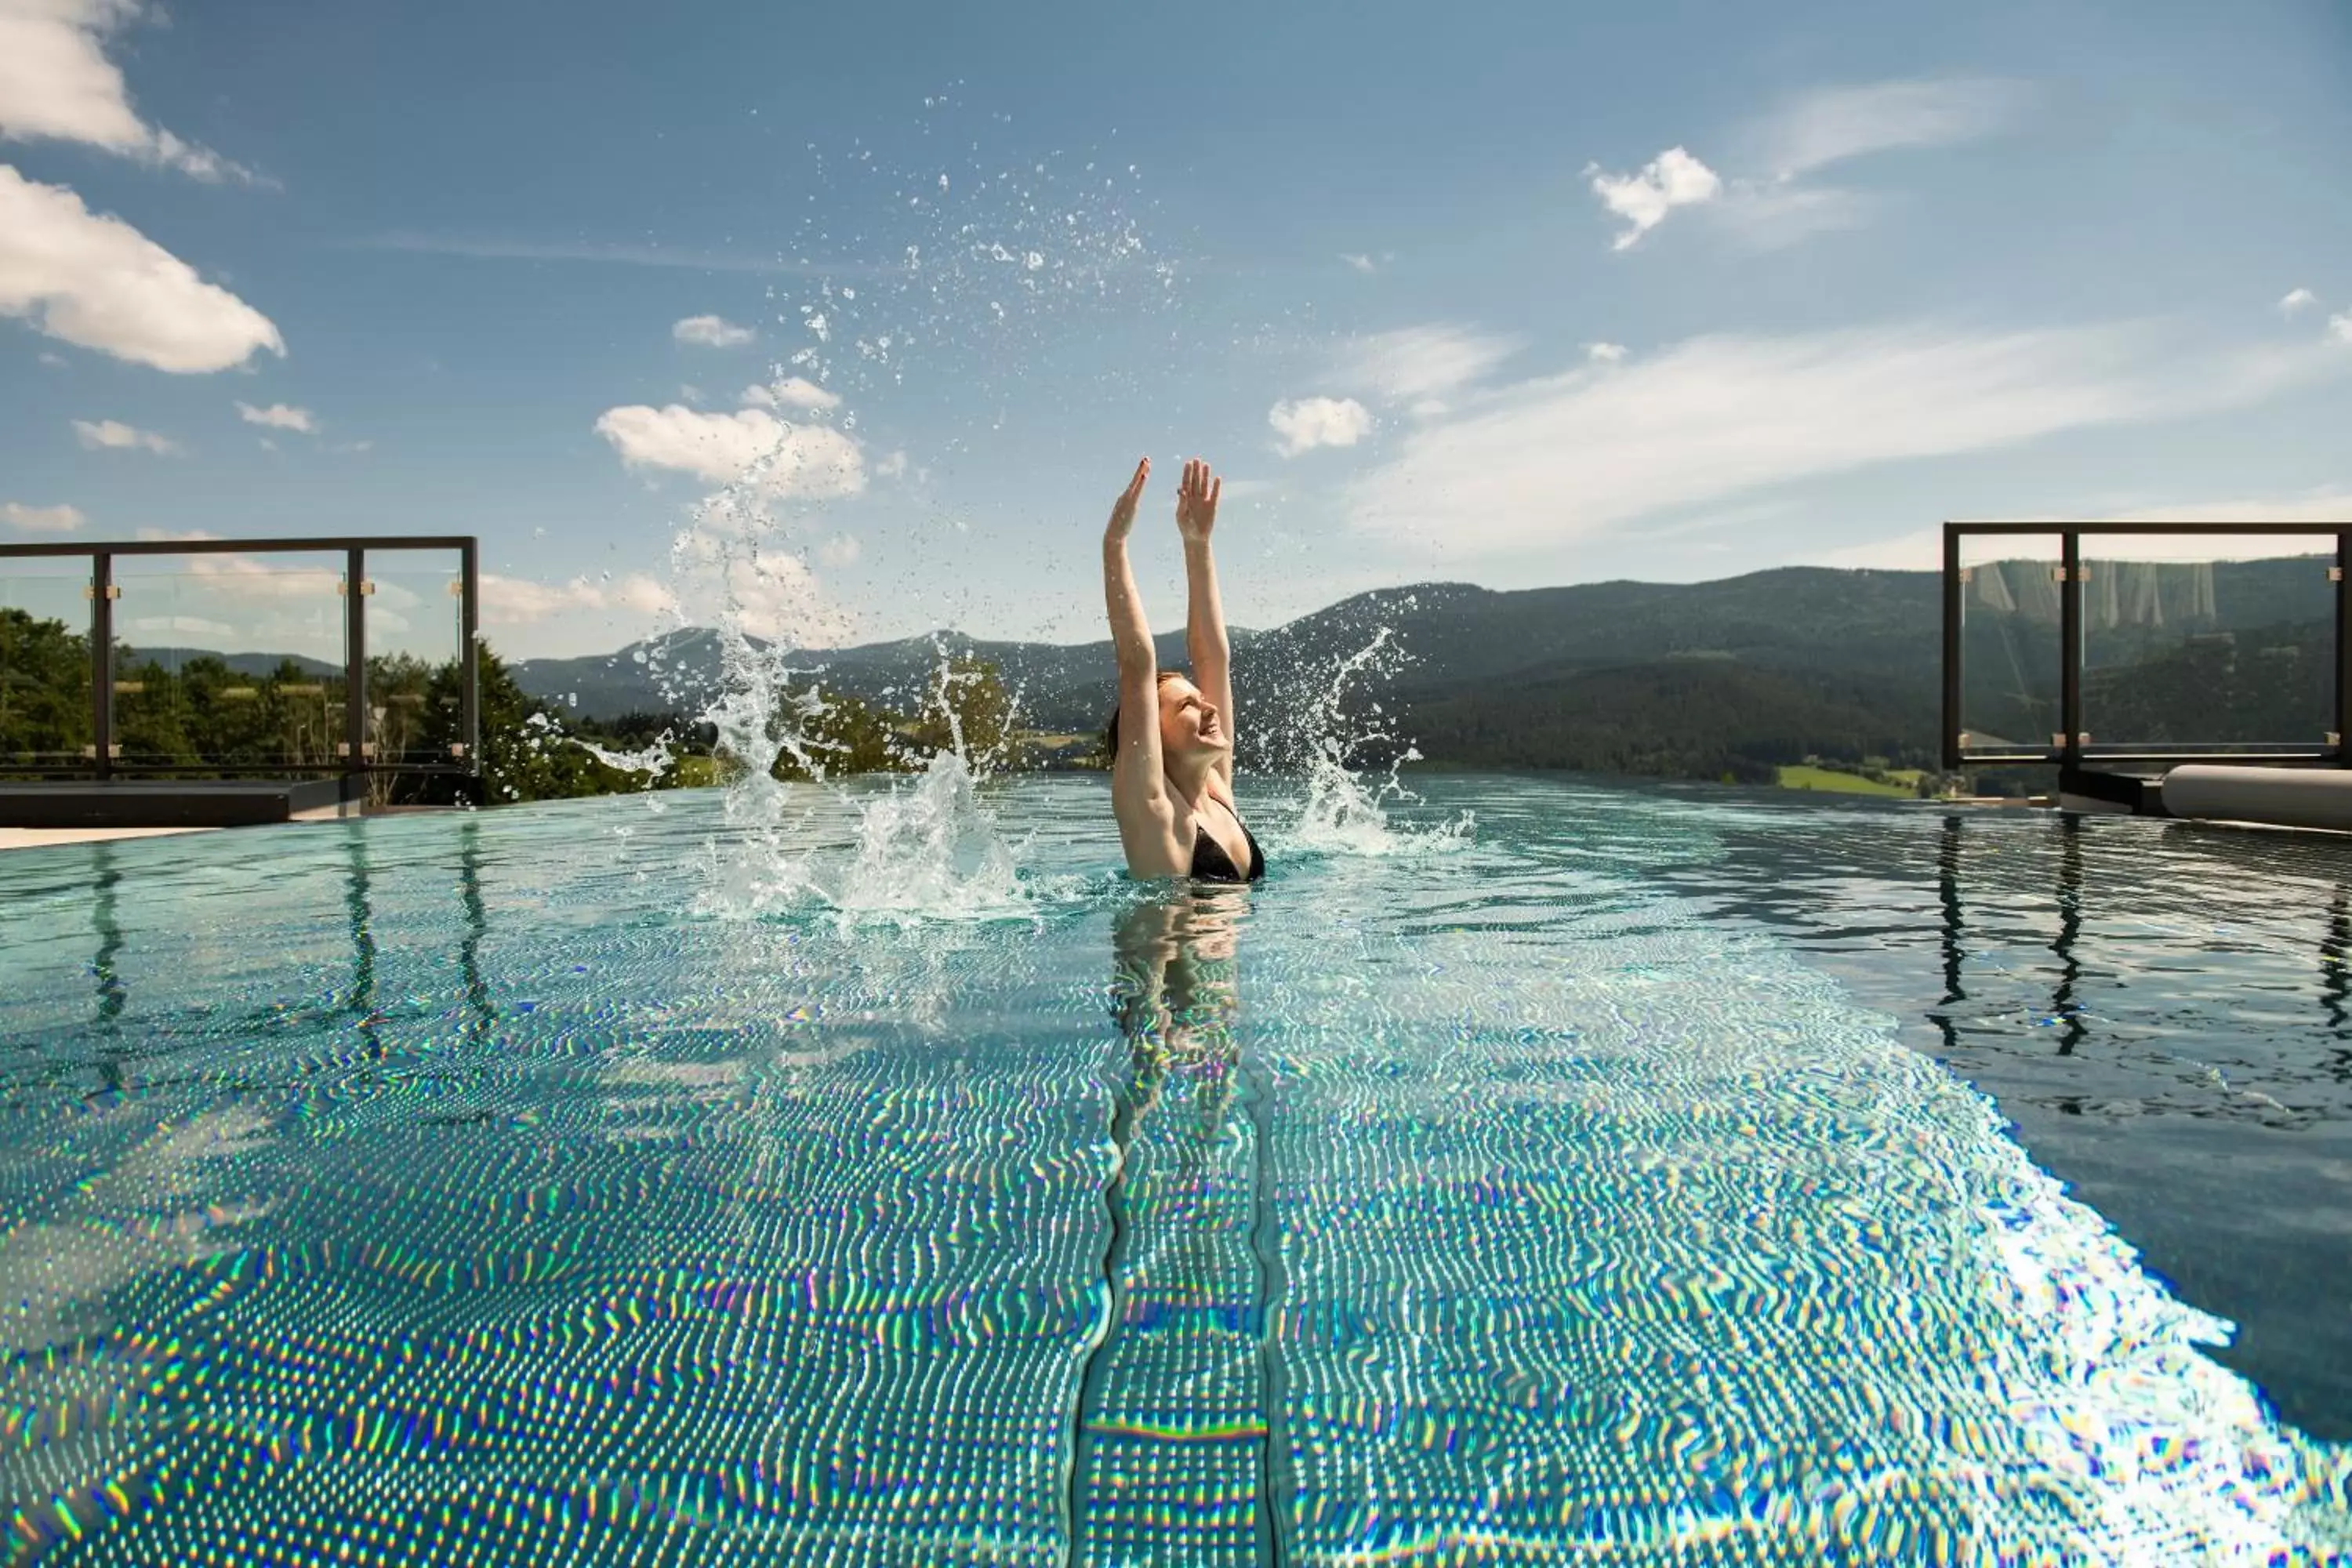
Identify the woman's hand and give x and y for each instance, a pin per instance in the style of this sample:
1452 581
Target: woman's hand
1196 502
1122 511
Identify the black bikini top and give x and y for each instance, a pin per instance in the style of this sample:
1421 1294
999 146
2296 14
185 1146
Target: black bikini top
1211 864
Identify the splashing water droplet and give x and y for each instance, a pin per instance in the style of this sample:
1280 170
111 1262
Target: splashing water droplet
1344 810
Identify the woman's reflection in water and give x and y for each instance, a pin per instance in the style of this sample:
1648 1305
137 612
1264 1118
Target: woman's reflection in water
1173 997
1173 1403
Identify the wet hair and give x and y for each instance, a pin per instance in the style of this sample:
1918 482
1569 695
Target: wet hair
1110 729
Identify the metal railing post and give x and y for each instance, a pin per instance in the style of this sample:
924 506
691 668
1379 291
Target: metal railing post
1952 611
2070 642
101 661
355 663
2343 757
469 615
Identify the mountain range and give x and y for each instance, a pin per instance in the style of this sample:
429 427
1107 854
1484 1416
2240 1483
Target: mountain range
1731 677
253 664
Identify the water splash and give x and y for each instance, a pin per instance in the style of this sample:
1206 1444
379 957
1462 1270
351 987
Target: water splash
1349 796
933 852
757 716
894 852
651 759
969 268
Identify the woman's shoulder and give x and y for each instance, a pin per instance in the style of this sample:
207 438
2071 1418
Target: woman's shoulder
1155 829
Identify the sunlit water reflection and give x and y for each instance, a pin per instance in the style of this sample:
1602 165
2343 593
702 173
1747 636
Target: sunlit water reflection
473 1188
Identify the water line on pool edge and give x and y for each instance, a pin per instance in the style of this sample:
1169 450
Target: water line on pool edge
1278 1488
1106 1291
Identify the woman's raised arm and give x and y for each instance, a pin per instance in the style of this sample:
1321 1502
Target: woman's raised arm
1136 768
1204 622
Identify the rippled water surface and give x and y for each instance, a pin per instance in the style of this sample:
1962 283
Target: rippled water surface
1617 1183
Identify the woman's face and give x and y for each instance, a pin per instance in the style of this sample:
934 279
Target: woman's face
1188 725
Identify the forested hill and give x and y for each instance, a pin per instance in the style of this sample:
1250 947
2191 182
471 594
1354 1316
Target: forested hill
1060 685
1702 679
1834 662
1453 634
1691 680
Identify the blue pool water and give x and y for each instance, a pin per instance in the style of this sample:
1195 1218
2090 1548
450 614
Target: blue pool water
1610 1184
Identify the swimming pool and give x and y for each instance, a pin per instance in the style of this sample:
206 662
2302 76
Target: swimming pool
480 1189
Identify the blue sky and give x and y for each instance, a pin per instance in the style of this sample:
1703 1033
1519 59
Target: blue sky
1513 294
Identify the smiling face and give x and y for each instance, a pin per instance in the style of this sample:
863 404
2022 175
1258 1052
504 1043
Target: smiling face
1189 726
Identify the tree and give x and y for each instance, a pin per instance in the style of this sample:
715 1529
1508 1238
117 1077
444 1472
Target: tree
44 690
526 754
149 723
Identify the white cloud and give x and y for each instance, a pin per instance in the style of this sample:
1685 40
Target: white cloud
1578 453
1605 353
1767 214
41 519
195 625
280 609
2339 328
1920 550
55 78
1672 179
255 578
1419 363
2296 299
778 597
749 447
790 392
302 599
278 416
1306 423
1834 124
2322 505
167 535
57 84
95 280
114 434
520 602
711 331
893 465
1826 127
769 594
841 550
1359 263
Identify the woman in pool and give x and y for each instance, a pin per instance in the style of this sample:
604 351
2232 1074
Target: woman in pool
1171 738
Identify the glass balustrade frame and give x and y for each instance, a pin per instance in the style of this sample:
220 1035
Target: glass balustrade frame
102 757
2071 747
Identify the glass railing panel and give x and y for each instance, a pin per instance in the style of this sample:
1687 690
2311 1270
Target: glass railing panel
230 663
45 664
2206 642
415 638
2011 655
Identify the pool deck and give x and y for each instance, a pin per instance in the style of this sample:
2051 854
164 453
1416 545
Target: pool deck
42 837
